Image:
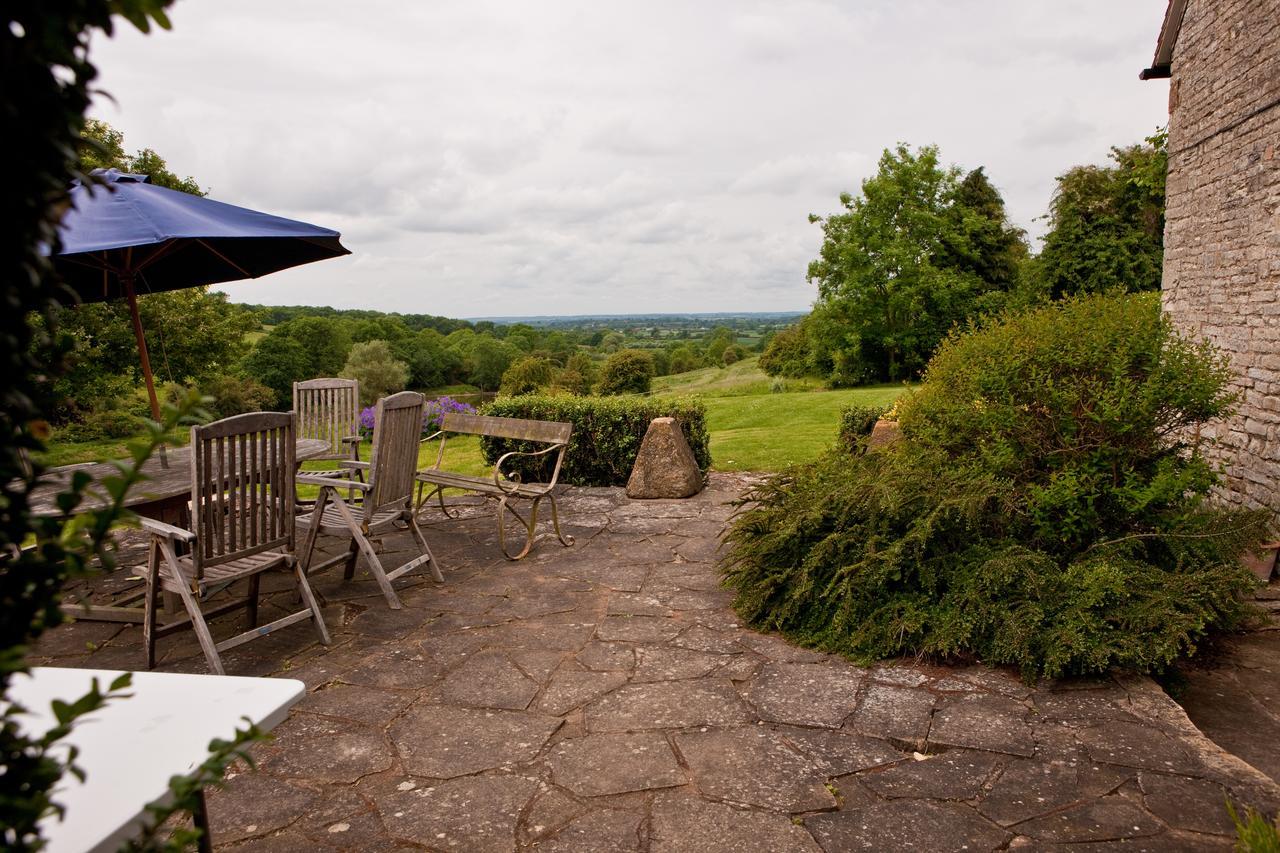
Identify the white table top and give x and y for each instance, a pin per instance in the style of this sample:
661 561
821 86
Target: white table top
130 748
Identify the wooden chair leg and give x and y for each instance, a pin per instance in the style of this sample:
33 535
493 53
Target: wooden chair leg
304 590
366 548
426 549
349 567
151 602
309 545
251 605
192 605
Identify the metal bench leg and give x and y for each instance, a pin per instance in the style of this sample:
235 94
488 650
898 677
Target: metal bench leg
529 526
565 539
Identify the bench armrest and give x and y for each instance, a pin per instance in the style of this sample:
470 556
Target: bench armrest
168 531
515 477
431 437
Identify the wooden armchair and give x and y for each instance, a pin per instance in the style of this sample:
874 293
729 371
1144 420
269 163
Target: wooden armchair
242 494
385 497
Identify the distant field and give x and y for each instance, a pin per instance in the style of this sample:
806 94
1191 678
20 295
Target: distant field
742 378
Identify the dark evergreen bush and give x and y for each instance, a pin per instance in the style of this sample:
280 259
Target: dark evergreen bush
1047 508
606 434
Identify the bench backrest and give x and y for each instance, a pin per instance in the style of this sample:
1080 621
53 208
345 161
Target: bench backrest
548 432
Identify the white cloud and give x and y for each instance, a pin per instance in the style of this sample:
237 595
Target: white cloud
498 157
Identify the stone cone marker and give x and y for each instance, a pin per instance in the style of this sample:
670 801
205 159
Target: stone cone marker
665 466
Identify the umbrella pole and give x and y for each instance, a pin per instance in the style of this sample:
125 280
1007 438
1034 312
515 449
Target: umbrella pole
132 296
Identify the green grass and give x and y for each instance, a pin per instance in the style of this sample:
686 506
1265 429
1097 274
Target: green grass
768 432
743 378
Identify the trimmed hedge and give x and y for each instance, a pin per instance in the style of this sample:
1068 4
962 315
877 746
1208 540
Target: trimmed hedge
606 434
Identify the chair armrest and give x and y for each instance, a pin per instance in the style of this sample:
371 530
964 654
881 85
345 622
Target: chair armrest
351 439
353 463
515 478
332 482
168 531
431 437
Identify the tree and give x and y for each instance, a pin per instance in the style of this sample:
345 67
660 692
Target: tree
627 371
788 353
431 363
372 364
327 343
902 262
983 241
102 147
489 359
278 361
528 375
1107 225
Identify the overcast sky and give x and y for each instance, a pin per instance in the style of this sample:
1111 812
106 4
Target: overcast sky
508 158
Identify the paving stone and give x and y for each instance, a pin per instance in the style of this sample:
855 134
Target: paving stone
681 823
602 831
596 765
906 825
805 694
636 604
901 676
1109 819
343 819
571 689
488 680
603 572
477 814
441 742
607 656
840 752
552 809
254 805
1134 745
993 723
1196 805
542 633
637 629
537 664
756 767
703 639
900 713
326 750
1029 788
387 624
1003 681
957 774
671 663
668 705
1089 705
776 648
367 705
396 668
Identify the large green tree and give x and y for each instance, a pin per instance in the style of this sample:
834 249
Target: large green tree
909 257
1107 225
102 147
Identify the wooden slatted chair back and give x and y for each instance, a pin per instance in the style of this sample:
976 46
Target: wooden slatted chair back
393 463
242 482
328 409
550 432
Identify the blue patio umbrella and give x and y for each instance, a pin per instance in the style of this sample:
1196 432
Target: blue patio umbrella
132 236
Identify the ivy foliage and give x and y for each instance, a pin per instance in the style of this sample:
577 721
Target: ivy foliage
1046 509
607 432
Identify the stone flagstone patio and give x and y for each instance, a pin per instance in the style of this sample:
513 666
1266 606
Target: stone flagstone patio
605 698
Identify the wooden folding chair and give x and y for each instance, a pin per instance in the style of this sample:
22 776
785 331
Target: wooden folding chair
242 493
385 501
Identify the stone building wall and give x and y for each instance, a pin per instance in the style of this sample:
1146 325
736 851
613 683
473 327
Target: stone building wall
1222 226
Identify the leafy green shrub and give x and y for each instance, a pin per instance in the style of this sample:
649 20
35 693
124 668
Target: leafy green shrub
527 376
788 353
856 423
1046 509
628 371
235 395
1254 833
97 426
606 434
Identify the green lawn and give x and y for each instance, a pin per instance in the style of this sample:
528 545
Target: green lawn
767 432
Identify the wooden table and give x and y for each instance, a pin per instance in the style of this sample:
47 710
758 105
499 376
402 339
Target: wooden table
130 748
164 496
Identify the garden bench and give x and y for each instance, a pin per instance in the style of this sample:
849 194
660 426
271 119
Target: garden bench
505 490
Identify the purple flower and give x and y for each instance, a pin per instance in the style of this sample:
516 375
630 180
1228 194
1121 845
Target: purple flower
432 414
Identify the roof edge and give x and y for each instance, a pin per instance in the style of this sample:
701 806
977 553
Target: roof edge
1162 63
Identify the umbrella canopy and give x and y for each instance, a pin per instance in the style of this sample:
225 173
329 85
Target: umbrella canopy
133 236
